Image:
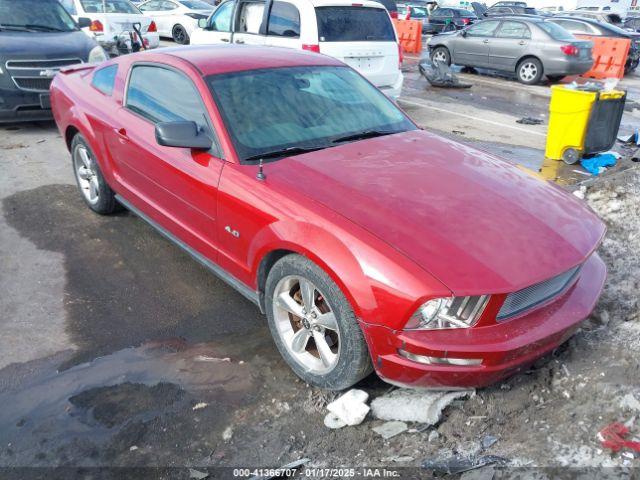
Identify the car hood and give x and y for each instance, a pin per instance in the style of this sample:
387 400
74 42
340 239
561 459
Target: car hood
45 45
477 223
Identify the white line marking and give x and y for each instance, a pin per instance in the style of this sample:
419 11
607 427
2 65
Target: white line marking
471 117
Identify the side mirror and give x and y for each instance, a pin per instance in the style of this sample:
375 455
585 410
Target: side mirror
203 23
84 22
463 33
182 135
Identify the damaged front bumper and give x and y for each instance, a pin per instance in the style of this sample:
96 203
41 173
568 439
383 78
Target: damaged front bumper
481 356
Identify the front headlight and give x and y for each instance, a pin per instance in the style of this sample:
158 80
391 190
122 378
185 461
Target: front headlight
97 55
453 312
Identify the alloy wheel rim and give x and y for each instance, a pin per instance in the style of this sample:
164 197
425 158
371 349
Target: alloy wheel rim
86 174
528 71
306 324
180 35
440 57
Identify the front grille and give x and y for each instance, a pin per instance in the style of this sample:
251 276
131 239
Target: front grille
33 84
537 294
36 75
41 64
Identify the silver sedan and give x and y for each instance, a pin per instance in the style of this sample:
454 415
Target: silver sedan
530 47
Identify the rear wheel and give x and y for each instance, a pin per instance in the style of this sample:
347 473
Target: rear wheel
95 191
441 55
180 35
314 326
529 71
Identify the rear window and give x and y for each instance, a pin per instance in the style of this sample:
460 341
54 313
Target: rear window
556 31
466 14
354 24
108 6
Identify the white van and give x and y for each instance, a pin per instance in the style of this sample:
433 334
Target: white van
359 34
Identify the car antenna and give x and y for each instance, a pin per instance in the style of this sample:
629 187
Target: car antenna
261 176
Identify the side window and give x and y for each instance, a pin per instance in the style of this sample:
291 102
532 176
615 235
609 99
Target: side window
151 6
437 12
221 19
573 27
147 95
104 79
448 13
169 6
514 30
69 6
250 17
483 29
284 20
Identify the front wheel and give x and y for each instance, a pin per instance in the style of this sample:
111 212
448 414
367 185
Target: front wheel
529 71
180 35
314 326
441 55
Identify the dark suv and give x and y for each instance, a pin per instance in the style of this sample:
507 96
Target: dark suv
37 38
445 19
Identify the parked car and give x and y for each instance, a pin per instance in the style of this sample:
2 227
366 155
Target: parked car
113 21
176 19
530 47
360 34
632 23
448 20
586 26
37 38
510 8
368 242
413 11
599 16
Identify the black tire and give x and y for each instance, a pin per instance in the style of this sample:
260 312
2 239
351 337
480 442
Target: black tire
180 35
527 76
106 202
441 52
353 362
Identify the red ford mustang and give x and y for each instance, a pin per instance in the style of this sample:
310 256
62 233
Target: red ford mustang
368 242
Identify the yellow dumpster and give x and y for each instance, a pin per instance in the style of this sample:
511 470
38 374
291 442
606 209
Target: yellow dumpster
582 121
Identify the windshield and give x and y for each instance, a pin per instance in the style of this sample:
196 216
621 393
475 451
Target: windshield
301 107
556 32
196 5
109 6
35 16
354 24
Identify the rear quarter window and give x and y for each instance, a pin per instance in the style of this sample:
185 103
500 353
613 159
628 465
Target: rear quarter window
104 79
354 24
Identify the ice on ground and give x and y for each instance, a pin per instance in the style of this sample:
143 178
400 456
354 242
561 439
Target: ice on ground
415 405
390 429
351 408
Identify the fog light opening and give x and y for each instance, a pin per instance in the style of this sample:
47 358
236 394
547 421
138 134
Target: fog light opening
460 362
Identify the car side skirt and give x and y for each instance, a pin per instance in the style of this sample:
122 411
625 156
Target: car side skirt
219 272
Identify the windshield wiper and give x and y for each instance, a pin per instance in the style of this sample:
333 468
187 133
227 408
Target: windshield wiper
47 28
29 27
363 135
285 152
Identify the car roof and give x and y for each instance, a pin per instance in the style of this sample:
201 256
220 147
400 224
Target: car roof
217 59
342 3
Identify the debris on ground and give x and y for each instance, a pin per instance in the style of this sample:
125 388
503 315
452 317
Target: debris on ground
632 138
488 441
350 409
390 429
580 192
200 405
614 437
599 163
630 402
227 434
529 121
415 405
440 75
460 463
197 474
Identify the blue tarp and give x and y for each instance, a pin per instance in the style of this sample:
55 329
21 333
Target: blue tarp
593 164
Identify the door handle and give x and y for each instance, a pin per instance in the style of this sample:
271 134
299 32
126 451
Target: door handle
239 41
225 40
522 42
485 41
122 134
